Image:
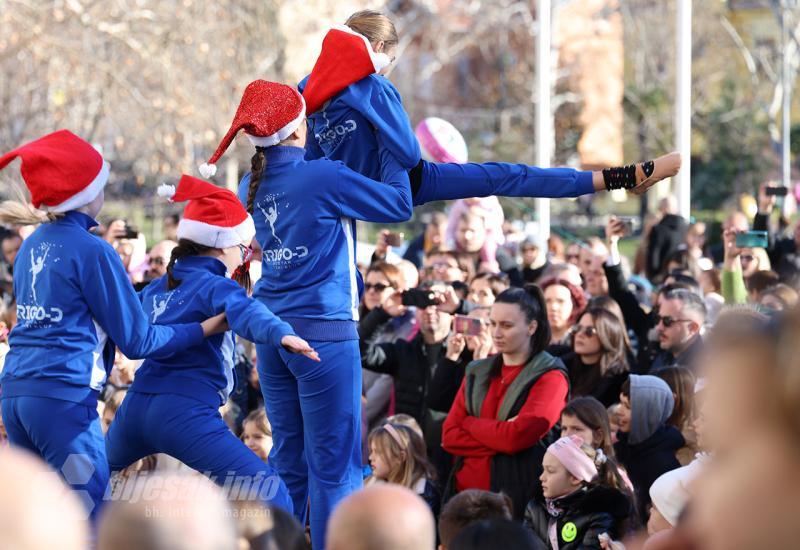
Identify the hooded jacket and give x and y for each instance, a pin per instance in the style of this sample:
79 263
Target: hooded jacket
585 514
648 450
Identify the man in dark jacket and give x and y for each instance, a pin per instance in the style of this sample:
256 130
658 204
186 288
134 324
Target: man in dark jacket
637 318
647 445
681 315
665 238
413 363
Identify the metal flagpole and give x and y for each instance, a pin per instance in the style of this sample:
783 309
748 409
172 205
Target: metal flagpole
544 114
683 107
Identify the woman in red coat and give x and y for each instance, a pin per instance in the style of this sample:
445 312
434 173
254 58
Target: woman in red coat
503 417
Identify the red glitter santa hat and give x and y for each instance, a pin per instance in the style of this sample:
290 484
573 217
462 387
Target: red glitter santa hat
268 113
213 216
62 171
346 57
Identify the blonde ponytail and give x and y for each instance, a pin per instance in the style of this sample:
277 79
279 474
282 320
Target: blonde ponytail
19 212
15 213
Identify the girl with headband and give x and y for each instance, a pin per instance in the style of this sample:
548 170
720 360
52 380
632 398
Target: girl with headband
397 455
305 216
584 496
349 102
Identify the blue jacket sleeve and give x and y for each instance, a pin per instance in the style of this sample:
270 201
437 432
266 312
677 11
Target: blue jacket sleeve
361 198
247 317
380 103
117 309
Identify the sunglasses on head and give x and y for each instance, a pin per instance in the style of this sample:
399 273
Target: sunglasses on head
377 287
668 321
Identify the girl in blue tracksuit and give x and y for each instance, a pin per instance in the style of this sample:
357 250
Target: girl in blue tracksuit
305 214
345 124
74 304
173 405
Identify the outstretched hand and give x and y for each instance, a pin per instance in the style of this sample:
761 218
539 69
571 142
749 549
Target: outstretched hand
665 166
295 344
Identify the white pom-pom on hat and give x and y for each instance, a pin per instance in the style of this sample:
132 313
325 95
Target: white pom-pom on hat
166 190
207 170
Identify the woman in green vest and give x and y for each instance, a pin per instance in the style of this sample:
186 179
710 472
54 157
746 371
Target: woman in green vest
505 412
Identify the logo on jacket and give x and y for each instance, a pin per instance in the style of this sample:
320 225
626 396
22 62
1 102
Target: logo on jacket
337 132
271 214
160 306
280 252
37 265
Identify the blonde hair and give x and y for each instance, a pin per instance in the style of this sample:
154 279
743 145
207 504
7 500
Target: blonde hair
20 212
375 26
406 420
406 457
259 417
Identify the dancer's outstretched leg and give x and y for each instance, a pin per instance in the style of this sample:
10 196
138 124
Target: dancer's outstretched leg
447 181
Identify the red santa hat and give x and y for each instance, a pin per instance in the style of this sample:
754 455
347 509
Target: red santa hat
213 216
268 113
346 57
62 171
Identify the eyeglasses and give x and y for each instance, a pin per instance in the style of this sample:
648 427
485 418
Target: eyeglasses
378 287
587 331
668 321
247 253
573 256
156 260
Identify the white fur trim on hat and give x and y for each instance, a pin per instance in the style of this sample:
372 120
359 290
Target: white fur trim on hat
280 135
166 190
207 170
215 236
379 60
85 195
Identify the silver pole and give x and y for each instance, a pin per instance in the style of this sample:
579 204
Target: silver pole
683 107
544 114
786 125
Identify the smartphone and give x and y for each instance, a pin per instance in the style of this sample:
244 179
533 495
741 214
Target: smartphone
779 191
130 233
419 298
752 239
395 239
468 326
628 223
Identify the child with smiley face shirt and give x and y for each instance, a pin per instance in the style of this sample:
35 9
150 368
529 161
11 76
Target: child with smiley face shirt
583 496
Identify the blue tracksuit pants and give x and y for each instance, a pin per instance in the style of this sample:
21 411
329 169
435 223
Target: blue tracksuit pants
431 181
315 412
195 434
68 437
